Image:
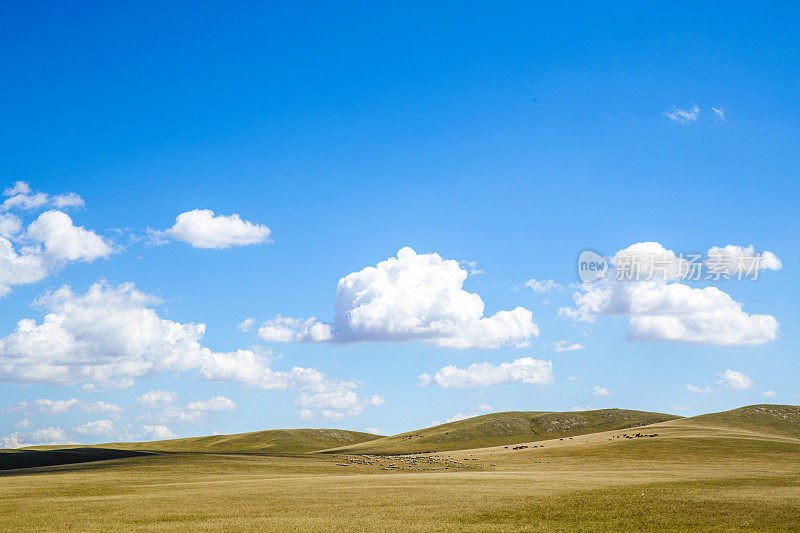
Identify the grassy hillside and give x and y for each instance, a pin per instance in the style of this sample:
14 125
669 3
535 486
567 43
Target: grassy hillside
275 441
763 418
688 477
505 428
13 459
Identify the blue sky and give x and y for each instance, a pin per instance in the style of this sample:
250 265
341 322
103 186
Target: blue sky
513 137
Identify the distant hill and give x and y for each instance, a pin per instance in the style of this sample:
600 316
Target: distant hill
14 459
275 441
503 429
763 418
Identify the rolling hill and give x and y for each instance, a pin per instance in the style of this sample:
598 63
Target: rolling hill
14 459
736 470
504 429
762 418
274 441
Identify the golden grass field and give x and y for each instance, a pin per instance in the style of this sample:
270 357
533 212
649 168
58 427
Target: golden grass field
728 471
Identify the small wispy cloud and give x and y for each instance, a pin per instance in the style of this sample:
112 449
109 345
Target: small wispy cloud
769 394
736 380
601 391
730 379
566 346
543 286
720 112
472 268
246 324
701 390
683 116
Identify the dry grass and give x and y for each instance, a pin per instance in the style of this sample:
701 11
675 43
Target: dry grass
273 441
690 477
506 428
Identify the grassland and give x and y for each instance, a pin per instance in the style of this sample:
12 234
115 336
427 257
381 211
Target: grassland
505 428
272 442
12 459
697 474
773 419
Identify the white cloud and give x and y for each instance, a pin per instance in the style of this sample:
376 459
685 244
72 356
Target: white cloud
600 391
287 329
730 379
100 336
472 266
217 403
202 229
55 407
769 394
543 286
677 312
10 225
156 433
523 370
409 297
23 424
660 310
156 399
19 187
337 402
566 346
279 329
684 116
20 196
374 431
739 261
736 380
420 296
306 414
39 437
701 390
482 410
95 428
650 260
155 237
246 324
65 200
64 241
720 112
48 244
116 384
584 408
111 335
21 268
174 415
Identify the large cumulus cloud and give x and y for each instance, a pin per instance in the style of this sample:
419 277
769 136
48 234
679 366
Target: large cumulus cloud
659 308
409 297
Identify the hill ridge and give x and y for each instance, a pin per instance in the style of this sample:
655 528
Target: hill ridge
504 428
781 418
270 441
